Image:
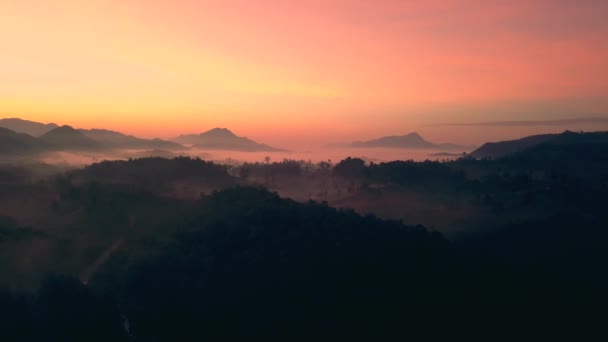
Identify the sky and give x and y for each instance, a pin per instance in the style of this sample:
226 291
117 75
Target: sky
294 71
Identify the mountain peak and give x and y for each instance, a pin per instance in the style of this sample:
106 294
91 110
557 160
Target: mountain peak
219 132
65 129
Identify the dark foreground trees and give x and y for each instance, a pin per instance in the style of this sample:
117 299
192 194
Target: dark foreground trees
250 265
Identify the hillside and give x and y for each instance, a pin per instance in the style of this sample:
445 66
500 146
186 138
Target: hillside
527 145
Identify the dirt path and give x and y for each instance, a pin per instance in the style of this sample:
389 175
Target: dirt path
88 272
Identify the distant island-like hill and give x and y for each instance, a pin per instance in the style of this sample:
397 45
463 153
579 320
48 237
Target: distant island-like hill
411 140
223 139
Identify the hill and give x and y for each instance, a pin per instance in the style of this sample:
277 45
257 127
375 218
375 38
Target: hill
68 138
154 173
122 141
32 128
223 139
541 144
504 148
411 140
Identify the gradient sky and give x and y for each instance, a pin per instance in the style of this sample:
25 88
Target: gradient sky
301 70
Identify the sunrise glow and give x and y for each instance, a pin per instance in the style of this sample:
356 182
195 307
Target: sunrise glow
300 70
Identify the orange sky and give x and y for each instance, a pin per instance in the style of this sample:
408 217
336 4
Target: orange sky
331 70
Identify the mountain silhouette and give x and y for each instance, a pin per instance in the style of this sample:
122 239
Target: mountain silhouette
411 140
70 139
13 143
119 140
223 139
32 128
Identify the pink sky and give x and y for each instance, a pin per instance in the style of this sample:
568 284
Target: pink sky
302 70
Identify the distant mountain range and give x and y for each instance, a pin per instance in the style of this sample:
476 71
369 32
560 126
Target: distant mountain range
536 145
411 140
23 137
32 128
16 141
26 137
223 139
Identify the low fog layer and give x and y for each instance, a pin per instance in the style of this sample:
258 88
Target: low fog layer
176 244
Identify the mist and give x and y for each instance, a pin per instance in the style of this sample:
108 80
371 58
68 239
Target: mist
221 234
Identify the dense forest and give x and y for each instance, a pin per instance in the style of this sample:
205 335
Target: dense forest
159 249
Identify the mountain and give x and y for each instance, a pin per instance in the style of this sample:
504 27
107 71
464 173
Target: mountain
223 139
411 140
548 144
122 141
13 143
70 139
32 128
